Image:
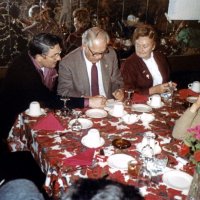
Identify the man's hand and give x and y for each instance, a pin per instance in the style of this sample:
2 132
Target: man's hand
97 102
118 94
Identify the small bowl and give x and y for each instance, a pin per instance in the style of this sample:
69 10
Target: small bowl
130 119
147 118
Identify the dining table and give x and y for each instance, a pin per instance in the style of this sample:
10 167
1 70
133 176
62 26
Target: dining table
64 157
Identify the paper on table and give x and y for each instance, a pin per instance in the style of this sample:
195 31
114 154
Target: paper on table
49 123
139 98
82 159
184 93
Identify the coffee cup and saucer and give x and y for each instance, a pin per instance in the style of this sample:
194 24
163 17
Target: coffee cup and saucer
34 109
118 110
93 139
155 101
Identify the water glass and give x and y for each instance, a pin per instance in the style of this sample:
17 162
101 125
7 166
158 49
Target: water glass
133 169
76 126
144 176
158 164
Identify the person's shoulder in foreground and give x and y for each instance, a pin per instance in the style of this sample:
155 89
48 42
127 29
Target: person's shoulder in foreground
20 189
190 118
98 189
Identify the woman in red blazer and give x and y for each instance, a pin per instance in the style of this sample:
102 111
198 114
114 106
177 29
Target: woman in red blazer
146 71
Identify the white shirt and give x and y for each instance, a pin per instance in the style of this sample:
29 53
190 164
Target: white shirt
100 80
153 68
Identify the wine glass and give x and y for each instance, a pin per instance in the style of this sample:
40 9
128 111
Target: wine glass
128 101
65 110
76 126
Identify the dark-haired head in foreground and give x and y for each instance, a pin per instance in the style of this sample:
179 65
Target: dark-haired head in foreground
99 189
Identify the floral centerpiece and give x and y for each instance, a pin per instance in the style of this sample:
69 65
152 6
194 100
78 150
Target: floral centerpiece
192 150
192 146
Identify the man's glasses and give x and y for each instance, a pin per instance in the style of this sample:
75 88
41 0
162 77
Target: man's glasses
98 53
56 55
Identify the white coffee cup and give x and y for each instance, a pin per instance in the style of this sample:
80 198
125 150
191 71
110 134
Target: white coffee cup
195 86
155 100
93 137
118 109
34 108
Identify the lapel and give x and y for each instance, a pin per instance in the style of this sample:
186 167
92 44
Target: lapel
83 76
145 71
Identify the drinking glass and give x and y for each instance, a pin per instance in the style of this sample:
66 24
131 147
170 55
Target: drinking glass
76 126
147 152
128 101
168 95
65 110
144 176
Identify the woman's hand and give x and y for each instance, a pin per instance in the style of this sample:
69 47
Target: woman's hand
162 88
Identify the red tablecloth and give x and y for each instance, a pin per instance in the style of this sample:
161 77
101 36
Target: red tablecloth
51 148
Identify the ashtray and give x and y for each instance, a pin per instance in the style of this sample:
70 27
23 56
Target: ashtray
121 143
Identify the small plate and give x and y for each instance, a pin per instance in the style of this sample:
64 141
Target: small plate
178 180
111 113
121 143
147 118
89 144
141 108
119 161
42 112
96 113
191 99
85 123
162 104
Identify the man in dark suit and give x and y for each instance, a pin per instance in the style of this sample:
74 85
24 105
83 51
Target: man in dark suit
32 77
75 70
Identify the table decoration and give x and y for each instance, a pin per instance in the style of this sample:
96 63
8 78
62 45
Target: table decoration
192 149
49 123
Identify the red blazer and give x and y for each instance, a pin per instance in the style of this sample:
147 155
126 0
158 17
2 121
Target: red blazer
137 76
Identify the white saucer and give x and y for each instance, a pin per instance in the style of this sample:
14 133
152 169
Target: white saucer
162 104
111 113
119 161
178 180
42 112
84 141
96 113
191 99
85 123
141 108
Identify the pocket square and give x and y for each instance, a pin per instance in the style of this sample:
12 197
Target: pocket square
82 159
49 123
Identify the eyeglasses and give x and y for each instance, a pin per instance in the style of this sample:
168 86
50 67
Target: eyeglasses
98 53
56 55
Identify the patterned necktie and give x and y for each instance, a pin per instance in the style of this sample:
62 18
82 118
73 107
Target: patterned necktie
94 80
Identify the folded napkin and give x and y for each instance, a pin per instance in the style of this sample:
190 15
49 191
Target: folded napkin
84 158
139 98
184 93
48 123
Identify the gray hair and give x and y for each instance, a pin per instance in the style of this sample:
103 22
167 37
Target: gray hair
90 35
